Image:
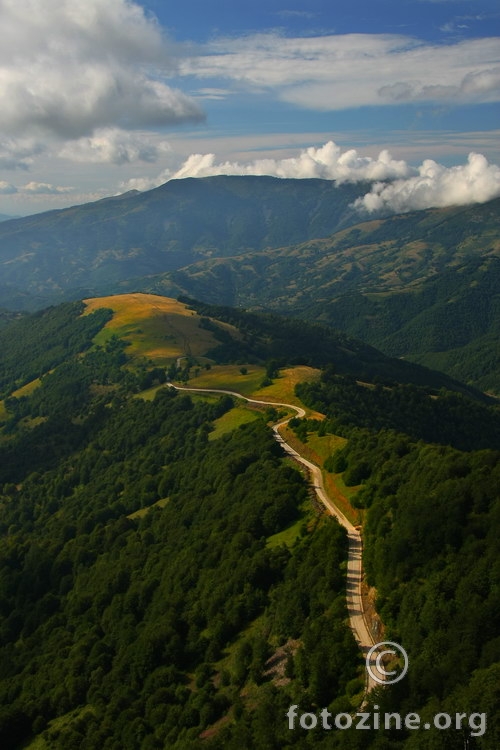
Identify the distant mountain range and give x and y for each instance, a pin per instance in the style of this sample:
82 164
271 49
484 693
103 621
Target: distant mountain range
422 285
88 249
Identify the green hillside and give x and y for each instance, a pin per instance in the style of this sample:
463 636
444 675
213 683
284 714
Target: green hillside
423 286
166 580
89 249
420 286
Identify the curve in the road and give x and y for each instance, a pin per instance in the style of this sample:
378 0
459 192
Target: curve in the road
355 608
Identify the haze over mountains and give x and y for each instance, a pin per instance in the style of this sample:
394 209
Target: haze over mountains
91 248
422 285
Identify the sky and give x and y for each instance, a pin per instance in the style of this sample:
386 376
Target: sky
98 97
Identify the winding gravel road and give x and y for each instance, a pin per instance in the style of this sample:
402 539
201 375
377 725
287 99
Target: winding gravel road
357 617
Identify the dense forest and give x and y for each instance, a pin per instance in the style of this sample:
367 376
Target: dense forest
160 588
430 537
267 336
35 344
140 595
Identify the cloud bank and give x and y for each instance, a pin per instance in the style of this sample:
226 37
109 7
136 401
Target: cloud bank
68 67
328 162
33 188
436 186
335 72
398 187
114 146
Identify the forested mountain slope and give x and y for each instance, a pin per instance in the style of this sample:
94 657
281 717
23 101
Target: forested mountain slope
165 579
431 523
422 285
88 249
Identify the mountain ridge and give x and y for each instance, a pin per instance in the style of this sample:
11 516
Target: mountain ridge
415 285
96 245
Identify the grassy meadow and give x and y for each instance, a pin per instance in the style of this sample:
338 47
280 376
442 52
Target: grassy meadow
158 328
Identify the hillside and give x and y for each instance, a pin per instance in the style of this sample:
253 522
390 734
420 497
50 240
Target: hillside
420 286
423 286
166 579
159 328
164 329
89 249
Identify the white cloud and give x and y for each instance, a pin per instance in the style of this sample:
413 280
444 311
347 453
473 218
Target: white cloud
32 188
328 162
398 187
6 188
44 188
18 154
436 186
68 67
114 146
342 71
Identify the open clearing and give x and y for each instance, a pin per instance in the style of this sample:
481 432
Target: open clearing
27 390
159 328
229 377
231 420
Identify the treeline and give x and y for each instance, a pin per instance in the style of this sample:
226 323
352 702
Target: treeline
145 630
431 550
289 340
442 417
37 343
431 524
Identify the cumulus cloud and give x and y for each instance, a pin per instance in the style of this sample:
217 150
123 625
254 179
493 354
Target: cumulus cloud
340 71
68 67
436 186
6 188
18 154
397 186
328 162
44 188
114 146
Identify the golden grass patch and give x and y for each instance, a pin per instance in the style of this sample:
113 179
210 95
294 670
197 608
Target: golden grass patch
27 389
316 450
159 328
283 387
324 446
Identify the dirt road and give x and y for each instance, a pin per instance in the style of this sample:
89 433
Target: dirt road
357 617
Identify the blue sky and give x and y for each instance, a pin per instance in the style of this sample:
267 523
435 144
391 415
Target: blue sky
108 95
